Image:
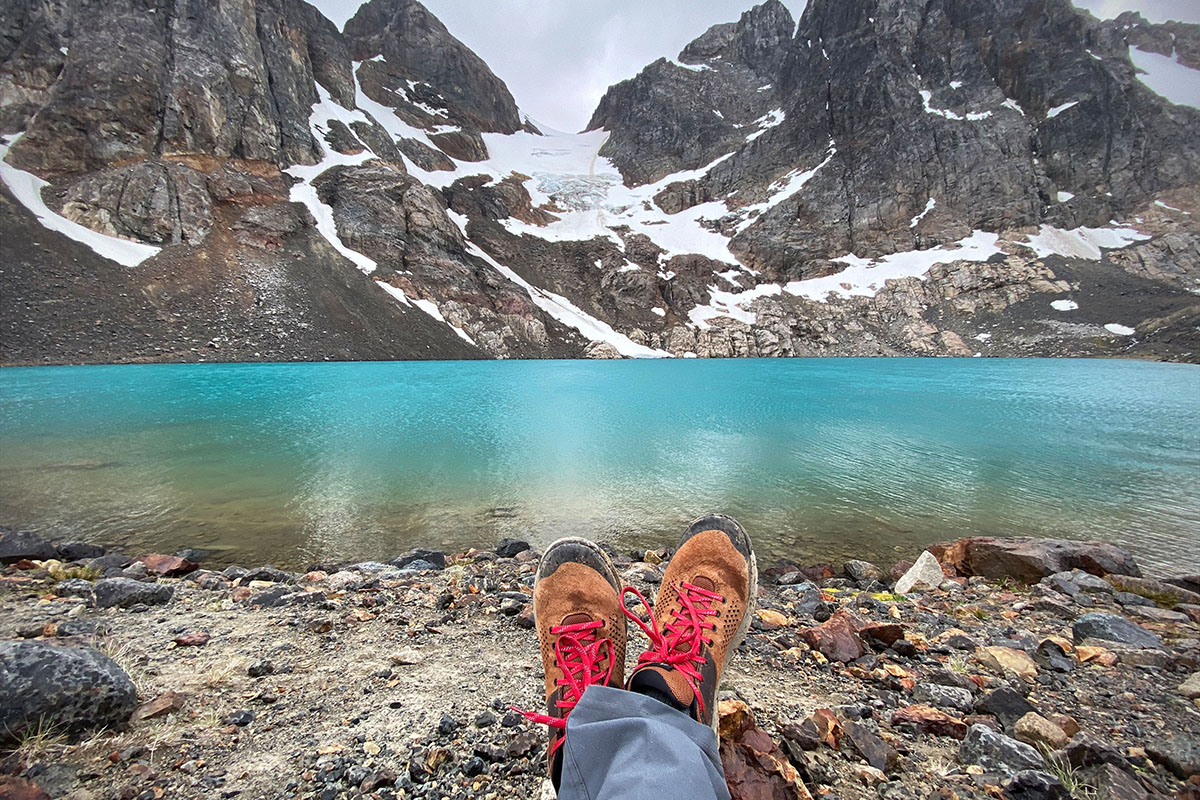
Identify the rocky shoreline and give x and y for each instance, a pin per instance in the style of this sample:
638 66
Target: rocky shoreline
988 668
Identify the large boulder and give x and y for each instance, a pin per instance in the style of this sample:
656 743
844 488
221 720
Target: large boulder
1030 560
68 689
126 592
19 545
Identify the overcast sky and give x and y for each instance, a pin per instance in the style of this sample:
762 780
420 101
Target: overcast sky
558 56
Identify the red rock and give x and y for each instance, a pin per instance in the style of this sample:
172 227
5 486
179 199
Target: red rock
19 789
756 768
829 728
898 569
1030 560
927 719
197 639
886 633
818 572
160 706
160 564
837 639
242 593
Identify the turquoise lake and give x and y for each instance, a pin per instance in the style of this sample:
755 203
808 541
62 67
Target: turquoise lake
821 459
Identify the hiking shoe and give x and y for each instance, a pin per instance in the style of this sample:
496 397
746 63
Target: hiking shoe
700 616
581 629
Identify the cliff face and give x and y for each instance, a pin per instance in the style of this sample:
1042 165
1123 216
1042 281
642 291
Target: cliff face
1006 177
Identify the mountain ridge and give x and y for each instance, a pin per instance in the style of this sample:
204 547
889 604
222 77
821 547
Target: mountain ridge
889 179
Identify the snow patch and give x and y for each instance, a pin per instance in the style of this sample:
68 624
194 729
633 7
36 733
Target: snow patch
1161 204
662 312
767 120
783 188
1081 242
928 207
1014 105
1119 330
1167 78
566 312
1064 305
865 277
1054 112
972 116
27 188
1064 197
323 110
983 337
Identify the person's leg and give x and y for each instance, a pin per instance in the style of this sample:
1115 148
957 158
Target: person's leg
658 739
581 631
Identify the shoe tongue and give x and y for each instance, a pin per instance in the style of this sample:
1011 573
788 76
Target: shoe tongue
576 619
664 679
703 582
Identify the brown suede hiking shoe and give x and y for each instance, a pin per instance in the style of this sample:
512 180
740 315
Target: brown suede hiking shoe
700 616
581 629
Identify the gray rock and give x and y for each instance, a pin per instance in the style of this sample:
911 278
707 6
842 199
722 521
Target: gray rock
18 545
998 753
1130 599
79 551
1179 753
1030 785
267 573
72 689
863 572
944 696
125 592
435 557
73 587
925 573
1110 627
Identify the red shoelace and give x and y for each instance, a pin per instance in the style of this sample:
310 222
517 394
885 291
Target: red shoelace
579 654
678 643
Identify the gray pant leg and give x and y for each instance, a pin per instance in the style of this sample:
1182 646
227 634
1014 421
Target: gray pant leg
625 746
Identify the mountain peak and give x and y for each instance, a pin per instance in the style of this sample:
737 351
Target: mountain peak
754 40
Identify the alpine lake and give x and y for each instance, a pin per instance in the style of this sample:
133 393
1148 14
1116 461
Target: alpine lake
821 459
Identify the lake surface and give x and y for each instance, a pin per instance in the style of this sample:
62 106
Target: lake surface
821 459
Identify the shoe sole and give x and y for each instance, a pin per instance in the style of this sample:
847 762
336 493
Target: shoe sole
752 601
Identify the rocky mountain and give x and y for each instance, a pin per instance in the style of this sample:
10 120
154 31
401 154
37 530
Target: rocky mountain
243 181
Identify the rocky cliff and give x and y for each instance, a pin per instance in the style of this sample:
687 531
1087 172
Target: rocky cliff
244 181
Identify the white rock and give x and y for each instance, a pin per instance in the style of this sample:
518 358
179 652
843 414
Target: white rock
925 574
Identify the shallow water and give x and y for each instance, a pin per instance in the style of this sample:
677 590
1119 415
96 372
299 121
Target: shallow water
821 459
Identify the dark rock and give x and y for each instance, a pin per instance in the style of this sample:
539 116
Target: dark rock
447 725
1005 705
80 627
259 668
878 753
803 734
71 689
1030 785
240 718
485 719
18 545
1179 753
1115 783
267 573
474 766
885 634
194 554
998 753
79 551
126 593
420 565
273 597
1084 751
435 558
507 548
1051 655
1131 599
1110 627
1189 582
863 572
234 573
